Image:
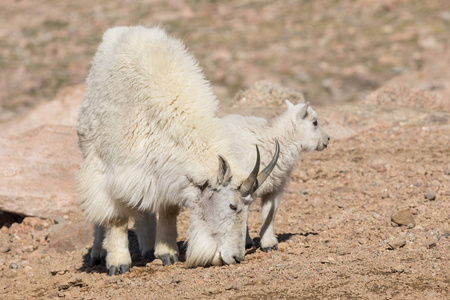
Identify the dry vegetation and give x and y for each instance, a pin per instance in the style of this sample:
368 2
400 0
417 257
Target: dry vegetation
331 50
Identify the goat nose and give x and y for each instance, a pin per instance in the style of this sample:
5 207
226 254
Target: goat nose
325 145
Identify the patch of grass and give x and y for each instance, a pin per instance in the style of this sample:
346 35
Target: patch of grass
29 31
55 24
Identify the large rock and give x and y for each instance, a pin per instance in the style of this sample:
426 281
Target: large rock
38 170
63 110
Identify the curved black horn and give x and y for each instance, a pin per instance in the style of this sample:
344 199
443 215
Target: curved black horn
267 170
247 185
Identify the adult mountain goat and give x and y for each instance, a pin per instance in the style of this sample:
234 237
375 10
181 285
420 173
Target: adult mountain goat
152 142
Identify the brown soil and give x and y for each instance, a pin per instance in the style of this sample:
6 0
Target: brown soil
334 227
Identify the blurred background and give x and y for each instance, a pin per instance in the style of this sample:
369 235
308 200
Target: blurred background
331 50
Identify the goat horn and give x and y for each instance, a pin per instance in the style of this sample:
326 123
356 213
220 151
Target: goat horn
267 170
247 185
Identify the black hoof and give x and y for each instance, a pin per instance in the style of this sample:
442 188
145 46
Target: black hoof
95 261
150 255
124 269
113 270
168 259
249 245
98 261
267 249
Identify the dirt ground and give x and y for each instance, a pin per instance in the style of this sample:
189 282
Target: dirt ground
334 226
388 153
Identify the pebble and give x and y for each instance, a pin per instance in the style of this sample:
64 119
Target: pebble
396 243
430 195
4 249
13 266
447 170
60 220
397 269
404 217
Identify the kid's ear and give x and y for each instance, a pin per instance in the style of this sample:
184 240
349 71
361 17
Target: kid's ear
303 111
289 104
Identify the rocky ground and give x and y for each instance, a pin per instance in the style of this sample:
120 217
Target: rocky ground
367 218
338 238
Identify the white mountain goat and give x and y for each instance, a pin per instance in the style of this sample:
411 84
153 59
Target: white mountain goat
152 142
297 129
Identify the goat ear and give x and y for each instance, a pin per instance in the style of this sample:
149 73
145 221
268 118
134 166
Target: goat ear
289 104
224 174
303 111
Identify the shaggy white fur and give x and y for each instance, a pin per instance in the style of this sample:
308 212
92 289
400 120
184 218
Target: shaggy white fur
297 130
150 137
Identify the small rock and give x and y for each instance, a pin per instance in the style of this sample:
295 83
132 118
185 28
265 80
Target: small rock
397 269
303 176
430 195
4 249
282 246
431 245
404 217
396 243
60 220
59 271
445 16
13 266
342 252
447 170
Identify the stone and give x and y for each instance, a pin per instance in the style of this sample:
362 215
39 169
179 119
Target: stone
60 220
38 171
430 195
447 170
404 217
70 237
63 110
13 266
396 243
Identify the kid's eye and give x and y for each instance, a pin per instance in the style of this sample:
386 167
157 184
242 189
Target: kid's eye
315 123
233 207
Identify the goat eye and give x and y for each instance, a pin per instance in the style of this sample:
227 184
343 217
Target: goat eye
233 207
203 186
315 123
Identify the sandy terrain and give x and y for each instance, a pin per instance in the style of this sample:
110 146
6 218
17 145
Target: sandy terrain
388 157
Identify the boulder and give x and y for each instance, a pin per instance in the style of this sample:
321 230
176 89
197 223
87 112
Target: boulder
38 170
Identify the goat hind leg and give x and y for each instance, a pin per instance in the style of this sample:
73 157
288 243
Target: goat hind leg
98 253
166 248
269 206
146 231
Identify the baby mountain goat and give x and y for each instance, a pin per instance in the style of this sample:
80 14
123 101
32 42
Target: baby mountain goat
297 130
152 142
